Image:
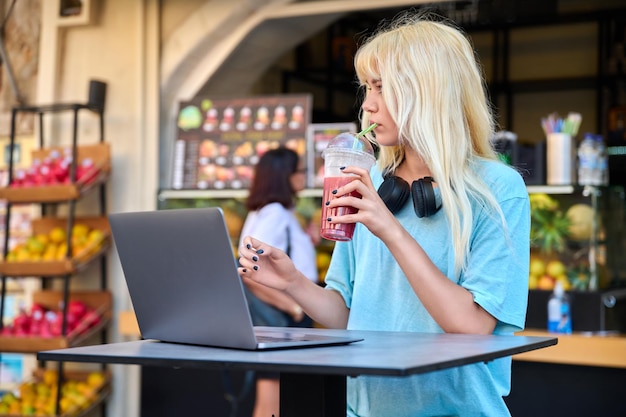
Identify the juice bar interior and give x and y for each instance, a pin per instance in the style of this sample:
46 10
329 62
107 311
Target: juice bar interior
540 57
523 46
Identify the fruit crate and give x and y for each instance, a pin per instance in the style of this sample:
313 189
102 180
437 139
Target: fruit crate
65 266
101 301
81 399
100 154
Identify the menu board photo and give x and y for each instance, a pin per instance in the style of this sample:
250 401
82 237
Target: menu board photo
319 134
218 141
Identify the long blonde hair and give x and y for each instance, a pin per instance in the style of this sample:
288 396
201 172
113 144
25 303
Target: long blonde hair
435 92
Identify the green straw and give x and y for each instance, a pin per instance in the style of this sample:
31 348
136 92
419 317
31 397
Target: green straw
366 130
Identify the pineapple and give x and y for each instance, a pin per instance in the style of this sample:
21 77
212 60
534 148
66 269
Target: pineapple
549 227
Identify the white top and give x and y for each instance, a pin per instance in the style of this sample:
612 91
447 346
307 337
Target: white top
271 224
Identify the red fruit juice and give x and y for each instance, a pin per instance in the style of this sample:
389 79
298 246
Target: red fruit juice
333 231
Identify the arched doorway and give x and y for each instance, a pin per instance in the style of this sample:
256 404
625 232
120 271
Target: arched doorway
242 42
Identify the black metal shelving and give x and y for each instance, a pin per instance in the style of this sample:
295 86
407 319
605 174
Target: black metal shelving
52 196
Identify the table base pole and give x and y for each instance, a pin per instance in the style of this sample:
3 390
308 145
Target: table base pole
312 395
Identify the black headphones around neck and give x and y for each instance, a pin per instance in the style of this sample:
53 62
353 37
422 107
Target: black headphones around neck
395 191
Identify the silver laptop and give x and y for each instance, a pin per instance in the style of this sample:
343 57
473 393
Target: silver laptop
182 279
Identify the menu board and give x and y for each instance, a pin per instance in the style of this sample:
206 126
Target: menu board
218 141
319 134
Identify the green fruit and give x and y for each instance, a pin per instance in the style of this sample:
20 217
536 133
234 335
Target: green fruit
189 118
34 245
549 226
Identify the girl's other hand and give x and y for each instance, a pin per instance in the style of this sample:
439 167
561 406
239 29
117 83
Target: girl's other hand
265 264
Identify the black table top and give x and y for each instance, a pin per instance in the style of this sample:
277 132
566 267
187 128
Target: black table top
380 353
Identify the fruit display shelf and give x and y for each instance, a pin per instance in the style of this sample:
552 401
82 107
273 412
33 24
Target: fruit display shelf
81 394
64 266
100 301
52 268
50 192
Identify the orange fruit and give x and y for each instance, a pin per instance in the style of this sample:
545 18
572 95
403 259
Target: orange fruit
50 377
546 282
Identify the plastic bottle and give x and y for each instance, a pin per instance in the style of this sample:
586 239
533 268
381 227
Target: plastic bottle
587 159
601 176
559 313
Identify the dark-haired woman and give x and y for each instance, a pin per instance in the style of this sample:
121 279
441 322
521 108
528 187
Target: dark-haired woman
278 177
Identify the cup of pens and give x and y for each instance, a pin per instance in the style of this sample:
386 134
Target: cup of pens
345 149
560 148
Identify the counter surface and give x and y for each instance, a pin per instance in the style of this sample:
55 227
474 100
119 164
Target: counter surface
579 349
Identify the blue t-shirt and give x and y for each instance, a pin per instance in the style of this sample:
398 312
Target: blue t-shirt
380 298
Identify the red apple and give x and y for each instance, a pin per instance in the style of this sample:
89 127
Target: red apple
77 308
46 329
61 171
86 171
54 325
37 321
38 308
22 322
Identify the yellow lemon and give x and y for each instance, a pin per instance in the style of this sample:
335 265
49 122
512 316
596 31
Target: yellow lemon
95 236
555 268
564 282
537 267
61 251
80 230
43 238
95 379
50 253
57 235
22 255
533 281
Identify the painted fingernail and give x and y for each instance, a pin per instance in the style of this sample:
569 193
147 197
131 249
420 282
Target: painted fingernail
334 191
342 168
255 258
260 251
256 268
329 219
244 270
248 246
327 203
